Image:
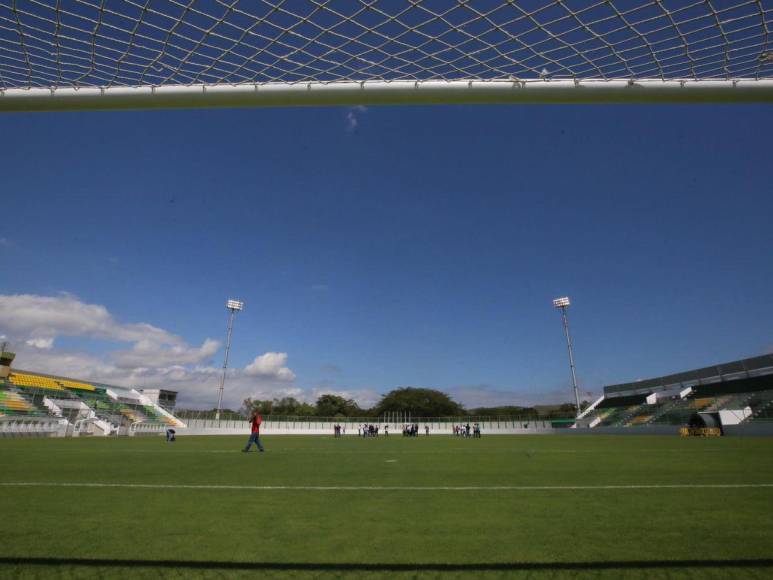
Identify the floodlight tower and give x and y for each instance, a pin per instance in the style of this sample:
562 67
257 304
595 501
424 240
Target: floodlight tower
563 304
233 306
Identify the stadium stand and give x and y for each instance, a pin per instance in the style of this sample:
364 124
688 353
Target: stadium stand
36 382
13 403
41 404
764 410
737 392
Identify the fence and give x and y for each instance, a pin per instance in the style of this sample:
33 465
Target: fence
275 425
225 416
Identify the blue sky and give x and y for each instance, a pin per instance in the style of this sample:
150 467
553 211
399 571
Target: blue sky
393 246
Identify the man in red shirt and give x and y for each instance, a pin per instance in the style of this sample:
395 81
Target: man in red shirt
255 421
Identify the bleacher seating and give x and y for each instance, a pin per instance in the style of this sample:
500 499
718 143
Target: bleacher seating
762 406
639 420
615 411
677 411
675 399
51 398
27 381
13 403
621 415
76 385
744 387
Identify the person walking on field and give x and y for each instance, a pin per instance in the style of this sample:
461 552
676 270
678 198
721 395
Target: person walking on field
255 421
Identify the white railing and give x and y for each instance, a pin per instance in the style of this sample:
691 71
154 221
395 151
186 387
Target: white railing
32 427
289 427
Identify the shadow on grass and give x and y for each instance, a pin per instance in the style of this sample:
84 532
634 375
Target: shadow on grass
388 567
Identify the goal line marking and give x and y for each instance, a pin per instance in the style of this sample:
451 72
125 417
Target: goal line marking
392 487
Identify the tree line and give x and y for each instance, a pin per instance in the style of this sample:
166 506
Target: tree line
416 401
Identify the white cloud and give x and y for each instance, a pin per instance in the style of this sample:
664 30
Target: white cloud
146 353
155 357
365 398
270 365
148 356
38 320
353 117
50 316
42 343
197 386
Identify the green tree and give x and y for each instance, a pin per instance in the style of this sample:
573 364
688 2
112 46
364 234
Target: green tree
418 402
286 406
509 410
264 407
335 406
306 410
564 411
283 406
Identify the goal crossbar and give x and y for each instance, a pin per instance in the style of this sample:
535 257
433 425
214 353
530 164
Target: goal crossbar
388 93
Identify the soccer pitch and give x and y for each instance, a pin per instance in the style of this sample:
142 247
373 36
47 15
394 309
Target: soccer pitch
310 507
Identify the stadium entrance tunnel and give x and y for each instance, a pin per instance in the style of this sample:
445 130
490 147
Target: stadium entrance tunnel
703 425
709 420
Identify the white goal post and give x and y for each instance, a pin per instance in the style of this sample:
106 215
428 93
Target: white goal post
136 54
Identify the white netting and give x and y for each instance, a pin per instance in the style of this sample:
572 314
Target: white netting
109 43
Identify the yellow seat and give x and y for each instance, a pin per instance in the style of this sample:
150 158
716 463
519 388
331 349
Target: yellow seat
34 381
640 419
76 385
698 403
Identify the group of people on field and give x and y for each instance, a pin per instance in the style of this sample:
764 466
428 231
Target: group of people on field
467 431
364 430
369 430
413 430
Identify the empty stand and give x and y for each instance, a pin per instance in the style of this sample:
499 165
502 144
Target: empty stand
37 382
62 400
13 403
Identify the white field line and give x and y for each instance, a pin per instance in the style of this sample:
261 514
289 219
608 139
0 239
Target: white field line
456 451
393 488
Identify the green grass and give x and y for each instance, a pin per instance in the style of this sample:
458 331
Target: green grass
293 533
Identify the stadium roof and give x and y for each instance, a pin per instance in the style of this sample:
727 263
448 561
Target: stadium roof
744 368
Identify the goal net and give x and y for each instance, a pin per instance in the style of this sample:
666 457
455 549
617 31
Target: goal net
69 54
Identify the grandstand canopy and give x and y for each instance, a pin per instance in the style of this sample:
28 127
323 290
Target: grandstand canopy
744 368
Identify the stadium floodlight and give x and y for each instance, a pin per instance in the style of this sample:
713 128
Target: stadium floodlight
90 55
233 306
562 304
